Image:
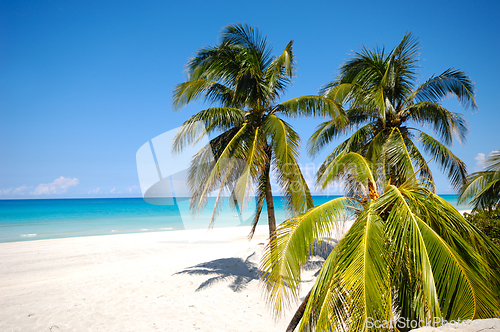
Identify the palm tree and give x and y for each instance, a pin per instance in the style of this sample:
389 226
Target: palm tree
378 90
482 189
245 82
409 256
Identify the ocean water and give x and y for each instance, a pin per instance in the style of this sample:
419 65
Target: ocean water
36 219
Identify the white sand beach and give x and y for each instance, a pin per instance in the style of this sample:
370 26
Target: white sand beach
195 280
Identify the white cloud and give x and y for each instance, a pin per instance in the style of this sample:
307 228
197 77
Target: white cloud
5 191
20 190
58 186
479 161
94 191
113 190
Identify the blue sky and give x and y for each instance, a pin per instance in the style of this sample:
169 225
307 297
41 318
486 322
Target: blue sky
83 84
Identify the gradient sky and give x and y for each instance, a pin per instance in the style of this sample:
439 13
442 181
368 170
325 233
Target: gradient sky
83 84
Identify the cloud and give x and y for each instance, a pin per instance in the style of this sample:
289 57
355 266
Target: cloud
94 191
58 186
5 191
20 190
479 161
113 190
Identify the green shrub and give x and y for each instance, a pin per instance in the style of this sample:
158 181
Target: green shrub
487 221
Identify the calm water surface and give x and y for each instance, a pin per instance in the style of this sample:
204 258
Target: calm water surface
35 219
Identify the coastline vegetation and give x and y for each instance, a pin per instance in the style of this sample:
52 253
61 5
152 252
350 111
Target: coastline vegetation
409 253
487 221
482 190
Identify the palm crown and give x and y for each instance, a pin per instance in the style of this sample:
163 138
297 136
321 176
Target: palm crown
409 256
245 82
378 90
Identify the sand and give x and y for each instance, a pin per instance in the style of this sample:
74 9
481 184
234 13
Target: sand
195 280
166 281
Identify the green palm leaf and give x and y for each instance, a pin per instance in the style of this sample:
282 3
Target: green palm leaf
293 243
482 189
378 88
244 80
408 254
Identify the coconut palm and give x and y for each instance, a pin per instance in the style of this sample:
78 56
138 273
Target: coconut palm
245 82
408 256
378 90
482 189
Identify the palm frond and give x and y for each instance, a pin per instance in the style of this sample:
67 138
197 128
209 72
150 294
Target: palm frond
353 144
285 146
457 170
278 74
398 160
444 123
192 90
355 167
226 161
312 106
450 82
353 283
293 244
409 250
206 122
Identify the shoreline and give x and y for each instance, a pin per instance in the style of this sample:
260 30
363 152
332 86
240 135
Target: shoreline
32 237
179 280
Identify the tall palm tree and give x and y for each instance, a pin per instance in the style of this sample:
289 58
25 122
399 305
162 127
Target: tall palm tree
409 256
378 90
482 188
245 82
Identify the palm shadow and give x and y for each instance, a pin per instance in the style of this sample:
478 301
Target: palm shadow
321 251
240 272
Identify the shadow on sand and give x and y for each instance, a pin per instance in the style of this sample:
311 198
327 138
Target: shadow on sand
239 271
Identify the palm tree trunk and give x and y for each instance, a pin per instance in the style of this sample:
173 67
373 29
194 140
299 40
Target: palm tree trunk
298 314
271 218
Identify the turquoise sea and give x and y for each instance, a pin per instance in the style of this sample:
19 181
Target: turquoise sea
36 219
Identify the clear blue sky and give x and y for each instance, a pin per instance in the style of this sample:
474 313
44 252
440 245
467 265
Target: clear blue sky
83 84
